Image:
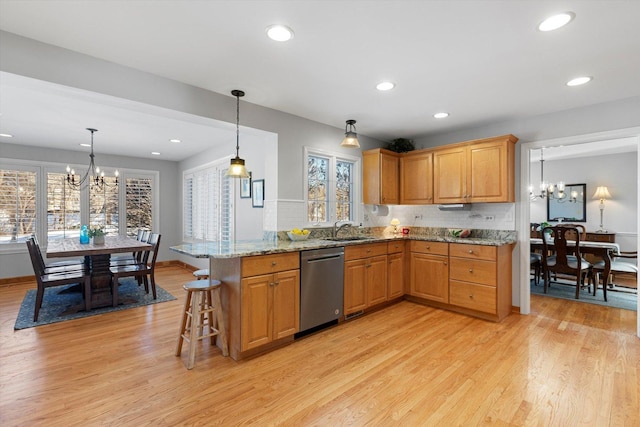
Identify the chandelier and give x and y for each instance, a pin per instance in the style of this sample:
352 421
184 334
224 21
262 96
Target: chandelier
550 190
93 175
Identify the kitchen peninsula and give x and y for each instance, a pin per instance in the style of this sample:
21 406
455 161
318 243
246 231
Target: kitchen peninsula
261 279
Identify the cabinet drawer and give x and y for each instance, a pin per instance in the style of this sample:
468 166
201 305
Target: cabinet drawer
472 251
364 251
476 297
471 270
265 264
601 237
434 248
395 247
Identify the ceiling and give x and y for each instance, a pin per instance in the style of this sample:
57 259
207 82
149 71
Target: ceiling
481 61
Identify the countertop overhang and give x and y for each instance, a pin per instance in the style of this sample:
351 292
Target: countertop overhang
264 247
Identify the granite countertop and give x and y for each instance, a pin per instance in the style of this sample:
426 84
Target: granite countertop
265 247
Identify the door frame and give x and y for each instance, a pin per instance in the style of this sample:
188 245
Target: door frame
524 207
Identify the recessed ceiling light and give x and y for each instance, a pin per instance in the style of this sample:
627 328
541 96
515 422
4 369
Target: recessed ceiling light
556 21
382 86
579 81
155 153
175 141
6 135
84 144
279 33
441 115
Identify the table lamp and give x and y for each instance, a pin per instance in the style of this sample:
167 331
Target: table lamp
395 222
602 193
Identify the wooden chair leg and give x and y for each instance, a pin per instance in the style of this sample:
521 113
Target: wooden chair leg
87 294
114 290
193 338
36 311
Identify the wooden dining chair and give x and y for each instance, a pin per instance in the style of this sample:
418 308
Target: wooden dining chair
618 268
144 269
58 266
581 230
133 257
566 258
46 279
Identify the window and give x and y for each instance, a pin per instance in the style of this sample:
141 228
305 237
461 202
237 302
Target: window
208 210
18 195
30 191
331 190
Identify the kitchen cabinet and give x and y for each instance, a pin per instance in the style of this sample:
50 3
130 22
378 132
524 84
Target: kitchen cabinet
270 308
395 269
380 184
479 171
365 276
416 178
480 279
430 271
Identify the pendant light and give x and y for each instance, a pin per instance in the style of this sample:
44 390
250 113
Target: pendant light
350 136
236 166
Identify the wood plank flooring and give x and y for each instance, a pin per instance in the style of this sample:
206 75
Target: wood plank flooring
565 364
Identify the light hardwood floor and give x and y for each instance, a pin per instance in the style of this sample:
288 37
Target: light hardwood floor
565 364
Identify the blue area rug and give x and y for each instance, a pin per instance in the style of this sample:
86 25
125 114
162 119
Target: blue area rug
56 301
617 299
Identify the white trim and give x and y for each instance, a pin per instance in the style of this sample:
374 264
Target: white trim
523 226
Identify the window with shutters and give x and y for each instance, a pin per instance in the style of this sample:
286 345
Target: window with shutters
139 204
207 204
18 196
63 208
331 187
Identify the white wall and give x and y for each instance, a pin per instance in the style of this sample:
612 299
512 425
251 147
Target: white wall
619 172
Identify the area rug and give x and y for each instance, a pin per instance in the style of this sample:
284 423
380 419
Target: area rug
617 299
56 301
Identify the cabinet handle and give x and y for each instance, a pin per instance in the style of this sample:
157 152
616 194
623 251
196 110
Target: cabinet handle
271 284
444 262
428 247
470 251
471 296
471 270
368 250
276 283
273 263
368 265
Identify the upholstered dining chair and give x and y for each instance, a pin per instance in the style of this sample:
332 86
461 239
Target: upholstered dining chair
618 268
564 243
45 279
144 269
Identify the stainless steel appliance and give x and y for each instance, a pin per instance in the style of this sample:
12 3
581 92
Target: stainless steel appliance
321 286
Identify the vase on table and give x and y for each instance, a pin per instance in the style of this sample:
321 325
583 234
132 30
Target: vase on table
98 240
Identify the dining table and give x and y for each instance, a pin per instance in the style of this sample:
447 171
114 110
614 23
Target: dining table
97 259
599 249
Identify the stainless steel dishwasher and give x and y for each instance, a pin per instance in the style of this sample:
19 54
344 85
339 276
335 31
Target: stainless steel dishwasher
321 286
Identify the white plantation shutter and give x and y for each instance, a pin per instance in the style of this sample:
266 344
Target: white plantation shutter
207 204
63 208
17 204
139 203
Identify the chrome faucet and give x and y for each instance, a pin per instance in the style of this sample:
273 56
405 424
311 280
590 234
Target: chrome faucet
337 229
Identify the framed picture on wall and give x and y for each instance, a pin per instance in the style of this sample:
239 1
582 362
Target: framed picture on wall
257 196
245 187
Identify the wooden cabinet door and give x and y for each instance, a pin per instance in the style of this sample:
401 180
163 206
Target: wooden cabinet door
286 303
376 271
416 179
395 275
488 179
389 182
354 286
450 175
430 277
256 319
380 177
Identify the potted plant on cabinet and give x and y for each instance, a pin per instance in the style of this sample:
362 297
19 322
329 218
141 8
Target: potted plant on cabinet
98 235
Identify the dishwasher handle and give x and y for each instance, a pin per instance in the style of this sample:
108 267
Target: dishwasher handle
310 260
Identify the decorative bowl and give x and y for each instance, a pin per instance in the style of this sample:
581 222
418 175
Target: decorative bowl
460 232
297 237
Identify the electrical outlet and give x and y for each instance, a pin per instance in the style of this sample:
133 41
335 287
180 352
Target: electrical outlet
417 217
489 218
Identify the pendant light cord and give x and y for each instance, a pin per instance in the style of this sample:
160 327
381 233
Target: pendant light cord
238 125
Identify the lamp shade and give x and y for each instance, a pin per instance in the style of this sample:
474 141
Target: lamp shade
395 221
602 193
350 135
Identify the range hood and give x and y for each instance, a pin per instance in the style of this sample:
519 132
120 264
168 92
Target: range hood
455 207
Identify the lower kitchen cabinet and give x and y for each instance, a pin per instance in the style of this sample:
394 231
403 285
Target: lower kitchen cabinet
365 276
395 269
270 302
430 271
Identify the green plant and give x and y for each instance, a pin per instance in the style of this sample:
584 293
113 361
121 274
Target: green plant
401 145
97 231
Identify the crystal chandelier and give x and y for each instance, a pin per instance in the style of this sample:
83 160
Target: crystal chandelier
93 175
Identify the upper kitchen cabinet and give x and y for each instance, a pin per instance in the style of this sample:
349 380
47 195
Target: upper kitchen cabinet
479 171
381 177
416 178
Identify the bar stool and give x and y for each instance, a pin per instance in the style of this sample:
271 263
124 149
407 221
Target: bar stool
201 274
202 304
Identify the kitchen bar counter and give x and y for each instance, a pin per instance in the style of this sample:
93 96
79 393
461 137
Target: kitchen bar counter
264 247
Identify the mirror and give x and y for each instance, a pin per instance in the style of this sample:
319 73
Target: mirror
569 206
